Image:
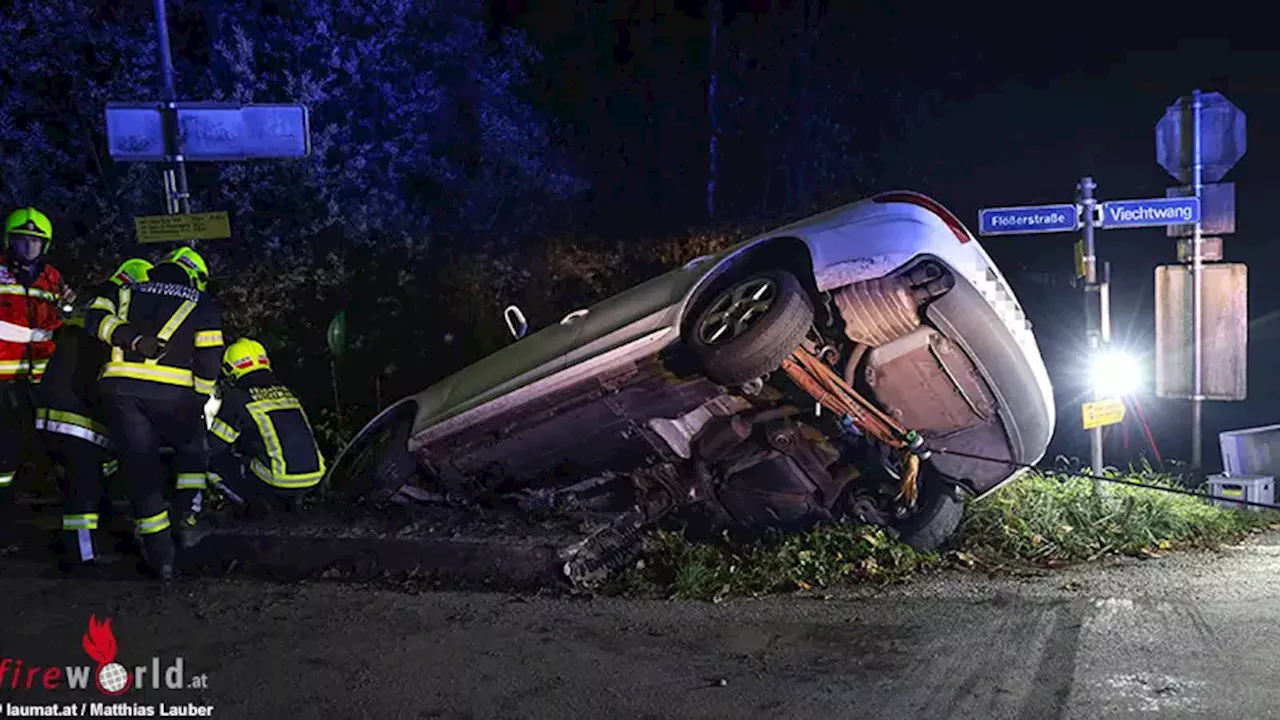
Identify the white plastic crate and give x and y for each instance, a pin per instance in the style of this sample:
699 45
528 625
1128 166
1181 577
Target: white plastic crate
1252 451
1250 488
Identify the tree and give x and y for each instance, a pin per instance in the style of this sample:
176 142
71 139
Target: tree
421 127
60 64
423 141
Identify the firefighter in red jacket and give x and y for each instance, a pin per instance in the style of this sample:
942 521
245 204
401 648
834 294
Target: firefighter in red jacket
31 295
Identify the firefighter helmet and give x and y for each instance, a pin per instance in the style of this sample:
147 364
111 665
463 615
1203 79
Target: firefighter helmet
190 260
132 271
28 221
243 357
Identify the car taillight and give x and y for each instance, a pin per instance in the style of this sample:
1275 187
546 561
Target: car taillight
921 201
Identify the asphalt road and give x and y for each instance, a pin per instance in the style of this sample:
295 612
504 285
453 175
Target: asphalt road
1192 636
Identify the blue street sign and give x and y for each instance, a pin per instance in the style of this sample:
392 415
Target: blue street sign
1028 220
1151 212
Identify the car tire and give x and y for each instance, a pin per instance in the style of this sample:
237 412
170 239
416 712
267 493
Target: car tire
755 345
937 519
377 463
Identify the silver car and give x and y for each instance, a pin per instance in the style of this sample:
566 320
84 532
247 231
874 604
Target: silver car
684 392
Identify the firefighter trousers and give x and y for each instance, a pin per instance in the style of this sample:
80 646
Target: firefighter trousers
233 480
86 508
138 427
16 429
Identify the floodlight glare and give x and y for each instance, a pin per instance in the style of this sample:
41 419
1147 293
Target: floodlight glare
1115 374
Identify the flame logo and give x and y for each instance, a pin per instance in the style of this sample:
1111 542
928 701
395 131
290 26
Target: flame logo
100 643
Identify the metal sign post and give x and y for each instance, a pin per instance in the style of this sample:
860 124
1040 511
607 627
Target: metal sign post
175 133
1094 308
1197 295
1199 139
176 194
1089 215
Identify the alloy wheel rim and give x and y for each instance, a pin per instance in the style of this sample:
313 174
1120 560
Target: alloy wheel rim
736 311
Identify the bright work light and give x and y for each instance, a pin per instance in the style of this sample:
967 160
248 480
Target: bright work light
1115 374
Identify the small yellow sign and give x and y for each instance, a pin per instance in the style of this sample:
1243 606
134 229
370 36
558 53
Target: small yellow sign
176 228
1102 412
1080 258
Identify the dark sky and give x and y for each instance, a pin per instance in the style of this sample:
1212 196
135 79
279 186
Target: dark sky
1026 99
1044 108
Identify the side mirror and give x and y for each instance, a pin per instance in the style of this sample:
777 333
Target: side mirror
517 325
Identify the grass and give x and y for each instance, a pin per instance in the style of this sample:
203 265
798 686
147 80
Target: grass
1054 518
821 558
1044 518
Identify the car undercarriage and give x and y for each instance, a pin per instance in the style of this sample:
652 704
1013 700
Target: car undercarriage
808 412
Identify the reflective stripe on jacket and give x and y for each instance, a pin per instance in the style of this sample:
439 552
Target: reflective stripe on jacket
263 420
28 317
75 425
188 320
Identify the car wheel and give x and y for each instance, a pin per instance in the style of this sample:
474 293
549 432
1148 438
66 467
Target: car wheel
939 511
750 327
377 463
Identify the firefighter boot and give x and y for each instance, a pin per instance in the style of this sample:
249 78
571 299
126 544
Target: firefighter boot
192 530
79 555
158 553
191 527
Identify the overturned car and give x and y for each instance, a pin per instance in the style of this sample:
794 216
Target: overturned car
868 362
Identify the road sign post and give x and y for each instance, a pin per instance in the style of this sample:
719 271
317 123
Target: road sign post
1198 141
1093 308
176 192
1089 215
175 133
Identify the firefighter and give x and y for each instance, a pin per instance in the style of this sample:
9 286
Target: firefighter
31 295
261 443
68 413
166 344
195 266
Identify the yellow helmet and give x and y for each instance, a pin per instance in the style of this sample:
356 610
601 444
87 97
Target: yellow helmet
243 357
28 221
132 271
195 266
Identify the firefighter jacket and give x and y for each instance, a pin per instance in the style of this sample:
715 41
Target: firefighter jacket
264 421
166 307
67 399
28 318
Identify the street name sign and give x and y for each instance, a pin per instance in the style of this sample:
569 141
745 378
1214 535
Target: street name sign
1150 212
1102 413
209 132
1028 220
176 228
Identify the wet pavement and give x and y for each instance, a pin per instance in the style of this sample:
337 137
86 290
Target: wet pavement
1187 636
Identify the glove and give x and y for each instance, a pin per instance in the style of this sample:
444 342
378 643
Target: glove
148 346
67 301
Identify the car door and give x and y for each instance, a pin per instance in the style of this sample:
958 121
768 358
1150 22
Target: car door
628 316
525 361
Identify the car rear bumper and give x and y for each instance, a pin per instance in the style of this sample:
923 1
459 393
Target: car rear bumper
1013 369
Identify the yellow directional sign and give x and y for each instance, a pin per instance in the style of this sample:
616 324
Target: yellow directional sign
176 228
1102 412
1080 269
